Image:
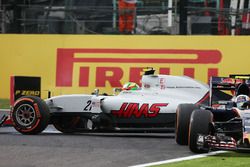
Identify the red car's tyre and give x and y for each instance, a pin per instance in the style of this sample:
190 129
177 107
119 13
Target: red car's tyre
30 115
183 113
199 124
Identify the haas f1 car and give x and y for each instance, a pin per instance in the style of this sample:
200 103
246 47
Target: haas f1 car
223 124
149 107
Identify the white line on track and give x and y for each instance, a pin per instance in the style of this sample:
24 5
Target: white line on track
178 159
45 131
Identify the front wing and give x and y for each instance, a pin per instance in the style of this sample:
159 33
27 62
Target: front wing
221 143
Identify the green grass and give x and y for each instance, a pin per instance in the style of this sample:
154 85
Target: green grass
4 103
220 160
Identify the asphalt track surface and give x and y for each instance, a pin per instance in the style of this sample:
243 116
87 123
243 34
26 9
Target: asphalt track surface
54 149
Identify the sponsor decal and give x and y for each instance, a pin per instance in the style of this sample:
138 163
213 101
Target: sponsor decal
83 61
162 82
38 115
27 93
228 80
127 110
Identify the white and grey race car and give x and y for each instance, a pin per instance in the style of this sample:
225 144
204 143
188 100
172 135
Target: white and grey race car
152 107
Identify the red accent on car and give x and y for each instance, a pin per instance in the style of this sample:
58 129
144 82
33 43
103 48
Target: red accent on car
204 98
128 110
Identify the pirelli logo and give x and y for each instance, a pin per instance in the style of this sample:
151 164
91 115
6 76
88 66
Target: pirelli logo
109 64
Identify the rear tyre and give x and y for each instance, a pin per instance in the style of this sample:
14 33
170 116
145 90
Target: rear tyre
70 124
199 124
183 114
30 115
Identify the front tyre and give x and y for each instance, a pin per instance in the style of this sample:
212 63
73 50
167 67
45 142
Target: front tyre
30 115
183 113
199 124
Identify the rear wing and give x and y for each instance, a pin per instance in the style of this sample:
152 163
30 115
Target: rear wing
227 83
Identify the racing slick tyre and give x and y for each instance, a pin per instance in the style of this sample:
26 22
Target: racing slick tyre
30 115
183 113
70 124
199 124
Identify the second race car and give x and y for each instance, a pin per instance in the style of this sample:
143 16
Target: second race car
224 124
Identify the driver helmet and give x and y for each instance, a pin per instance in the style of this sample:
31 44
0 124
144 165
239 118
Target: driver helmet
240 100
130 86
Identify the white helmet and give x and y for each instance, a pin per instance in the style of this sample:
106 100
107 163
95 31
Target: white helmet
240 100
